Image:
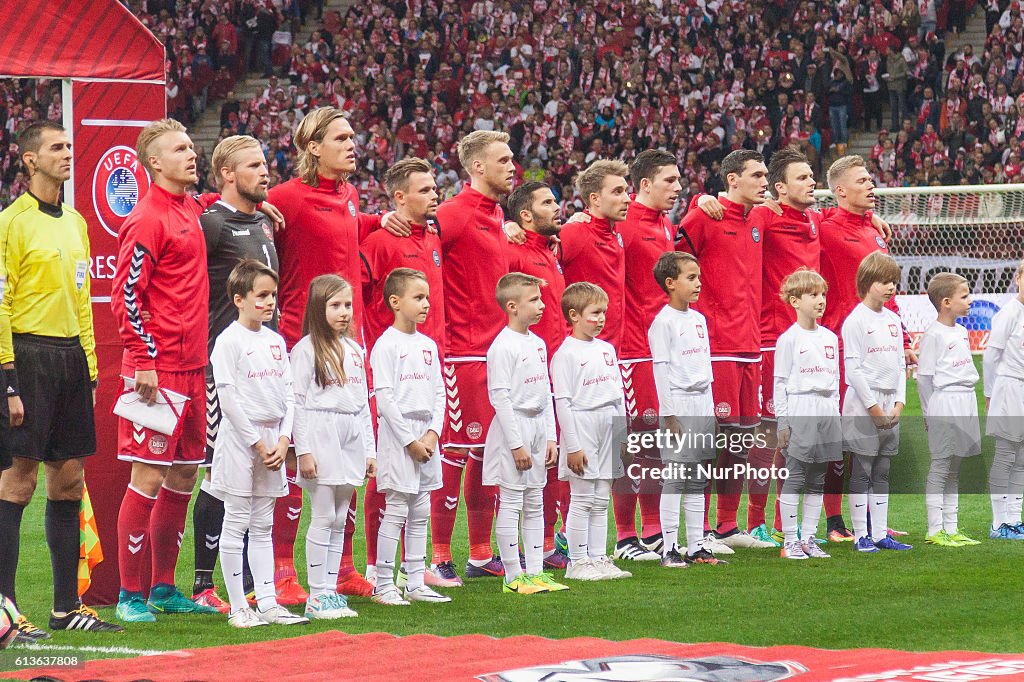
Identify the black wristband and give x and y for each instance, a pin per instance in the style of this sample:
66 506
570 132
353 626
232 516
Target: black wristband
11 379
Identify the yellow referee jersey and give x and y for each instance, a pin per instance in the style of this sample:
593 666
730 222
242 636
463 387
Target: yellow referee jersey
45 260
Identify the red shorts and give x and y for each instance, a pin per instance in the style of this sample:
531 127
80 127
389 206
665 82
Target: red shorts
641 394
187 446
469 409
767 385
735 390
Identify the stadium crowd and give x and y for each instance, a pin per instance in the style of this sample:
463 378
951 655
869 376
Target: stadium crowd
698 78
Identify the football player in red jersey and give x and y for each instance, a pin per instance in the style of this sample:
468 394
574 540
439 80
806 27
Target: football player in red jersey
475 257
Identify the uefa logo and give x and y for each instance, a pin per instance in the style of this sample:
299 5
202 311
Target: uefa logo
117 184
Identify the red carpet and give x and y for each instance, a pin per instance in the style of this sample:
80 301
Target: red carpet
381 657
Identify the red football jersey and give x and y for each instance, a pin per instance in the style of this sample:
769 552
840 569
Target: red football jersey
321 236
729 252
846 239
382 252
646 234
161 259
535 258
475 258
592 252
791 242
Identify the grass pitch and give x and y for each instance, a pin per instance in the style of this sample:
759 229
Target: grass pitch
929 598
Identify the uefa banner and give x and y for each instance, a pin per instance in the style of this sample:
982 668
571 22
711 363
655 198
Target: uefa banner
108 180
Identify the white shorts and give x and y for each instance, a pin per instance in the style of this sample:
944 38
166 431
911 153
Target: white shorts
238 470
500 468
953 428
816 434
696 416
599 439
860 435
336 441
1006 410
396 470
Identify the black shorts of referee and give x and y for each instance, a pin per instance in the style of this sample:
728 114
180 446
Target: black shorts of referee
55 389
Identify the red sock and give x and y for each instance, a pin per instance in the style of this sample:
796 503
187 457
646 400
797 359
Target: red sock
133 538
650 514
728 496
707 507
347 566
166 528
373 512
444 505
480 502
550 509
758 489
778 510
287 511
624 506
834 477
563 501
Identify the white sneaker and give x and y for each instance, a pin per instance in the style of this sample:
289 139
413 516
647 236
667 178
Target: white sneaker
321 607
716 546
813 550
793 549
245 618
584 569
371 574
279 615
610 570
340 602
424 593
389 596
743 539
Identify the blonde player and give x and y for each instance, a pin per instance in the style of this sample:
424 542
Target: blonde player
589 403
333 434
410 408
254 383
806 397
946 376
876 378
521 440
1003 365
682 376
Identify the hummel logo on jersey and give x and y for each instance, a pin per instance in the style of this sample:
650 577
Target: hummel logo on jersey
239 233
325 209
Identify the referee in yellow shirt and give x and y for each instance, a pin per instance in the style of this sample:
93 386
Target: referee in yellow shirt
48 354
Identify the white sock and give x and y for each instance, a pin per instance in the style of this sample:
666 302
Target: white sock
577 523
812 514
319 538
859 514
693 506
396 512
597 536
533 530
789 503
506 530
1015 487
261 552
236 521
669 517
999 515
933 506
879 517
950 512
416 540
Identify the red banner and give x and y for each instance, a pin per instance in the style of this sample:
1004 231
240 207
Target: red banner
108 181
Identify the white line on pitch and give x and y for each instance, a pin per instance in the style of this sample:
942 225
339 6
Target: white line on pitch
120 650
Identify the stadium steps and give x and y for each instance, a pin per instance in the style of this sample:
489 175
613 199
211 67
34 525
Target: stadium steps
206 132
974 35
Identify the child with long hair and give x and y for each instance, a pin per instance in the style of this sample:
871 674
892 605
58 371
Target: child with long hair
333 434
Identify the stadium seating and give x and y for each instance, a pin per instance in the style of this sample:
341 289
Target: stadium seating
571 82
